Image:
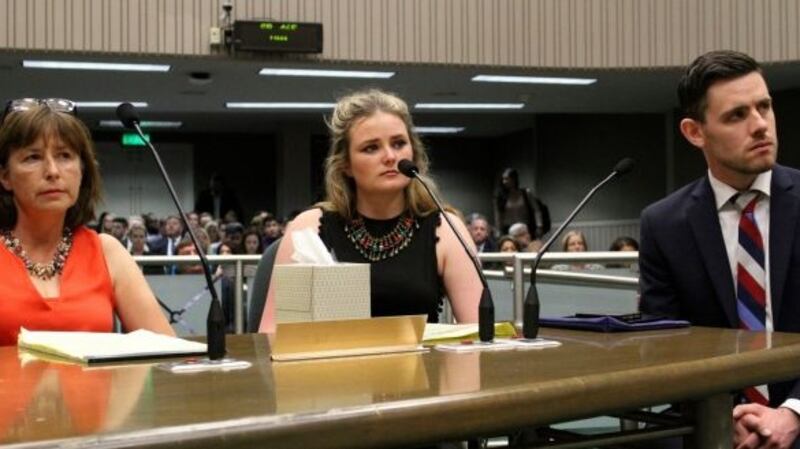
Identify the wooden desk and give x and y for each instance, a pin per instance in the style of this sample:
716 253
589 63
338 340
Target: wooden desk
386 401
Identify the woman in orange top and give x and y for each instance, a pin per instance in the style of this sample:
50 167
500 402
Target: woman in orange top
56 273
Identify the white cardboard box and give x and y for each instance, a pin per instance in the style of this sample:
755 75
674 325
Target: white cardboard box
305 292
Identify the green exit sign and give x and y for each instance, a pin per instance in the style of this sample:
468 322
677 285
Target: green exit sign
133 140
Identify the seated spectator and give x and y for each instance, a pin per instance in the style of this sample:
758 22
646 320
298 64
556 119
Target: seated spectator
507 244
119 229
186 248
193 219
137 246
625 244
137 241
575 241
252 243
481 234
234 235
104 223
270 231
519 232
205 217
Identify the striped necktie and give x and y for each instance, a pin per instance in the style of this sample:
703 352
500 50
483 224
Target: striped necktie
751 297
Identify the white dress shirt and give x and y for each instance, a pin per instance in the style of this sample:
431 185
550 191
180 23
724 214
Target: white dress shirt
729 223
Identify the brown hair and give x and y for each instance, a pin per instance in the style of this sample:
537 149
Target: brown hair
340 192
706 70
23 128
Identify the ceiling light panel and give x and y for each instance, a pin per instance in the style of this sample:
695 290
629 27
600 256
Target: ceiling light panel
533 80
438 129
79 65
108 104
144 124
468 106
318 73
278 105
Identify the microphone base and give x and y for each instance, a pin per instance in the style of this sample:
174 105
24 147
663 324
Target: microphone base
205 364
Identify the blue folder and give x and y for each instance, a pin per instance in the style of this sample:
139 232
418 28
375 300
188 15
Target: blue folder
612 323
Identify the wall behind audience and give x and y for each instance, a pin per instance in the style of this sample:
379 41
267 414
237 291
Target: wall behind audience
247 163
132 183
576 151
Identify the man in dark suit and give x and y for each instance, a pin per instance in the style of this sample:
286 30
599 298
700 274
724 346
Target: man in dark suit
722 251
481 233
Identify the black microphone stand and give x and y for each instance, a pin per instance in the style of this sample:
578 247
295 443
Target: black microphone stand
531 306
215 323
486 304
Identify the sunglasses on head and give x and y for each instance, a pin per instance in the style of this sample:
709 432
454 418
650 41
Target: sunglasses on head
25 104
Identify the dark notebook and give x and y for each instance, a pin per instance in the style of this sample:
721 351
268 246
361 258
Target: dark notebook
612 323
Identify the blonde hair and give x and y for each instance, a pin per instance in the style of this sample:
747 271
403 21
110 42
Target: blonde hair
569 235
340 191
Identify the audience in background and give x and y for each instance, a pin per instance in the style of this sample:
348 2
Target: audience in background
193 218
507 244
234 234
572 242
481 233
519 232
186 248
270 230
119 229
212 229
205 218
624 243
104 223
252 242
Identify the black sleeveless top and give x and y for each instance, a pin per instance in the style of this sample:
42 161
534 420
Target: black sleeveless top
407 283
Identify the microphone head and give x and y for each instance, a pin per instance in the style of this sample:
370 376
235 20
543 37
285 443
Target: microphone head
624 166
408 168
126 113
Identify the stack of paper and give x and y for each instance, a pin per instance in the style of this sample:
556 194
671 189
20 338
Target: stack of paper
88 347
436 332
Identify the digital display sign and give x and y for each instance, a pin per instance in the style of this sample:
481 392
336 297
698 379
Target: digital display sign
299 37
133 140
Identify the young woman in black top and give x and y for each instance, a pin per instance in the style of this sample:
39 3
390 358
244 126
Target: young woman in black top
374 214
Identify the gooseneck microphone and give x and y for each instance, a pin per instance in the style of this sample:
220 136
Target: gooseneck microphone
215 323
530 308
486 304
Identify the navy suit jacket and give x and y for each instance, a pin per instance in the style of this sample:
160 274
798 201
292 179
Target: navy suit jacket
684 268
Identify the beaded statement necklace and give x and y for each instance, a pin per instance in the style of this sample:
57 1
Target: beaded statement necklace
43 271
379 248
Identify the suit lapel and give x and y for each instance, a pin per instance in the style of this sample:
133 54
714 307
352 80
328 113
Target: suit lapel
784 205
704 222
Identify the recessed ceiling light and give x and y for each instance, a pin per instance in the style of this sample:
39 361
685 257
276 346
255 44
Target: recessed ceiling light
277 105
469 105
78 65
144 124
269 71
438 129
108 104
533 80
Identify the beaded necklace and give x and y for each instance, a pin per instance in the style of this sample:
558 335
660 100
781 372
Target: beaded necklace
43 271
378 248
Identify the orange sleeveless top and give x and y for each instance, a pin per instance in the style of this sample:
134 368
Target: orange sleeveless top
86 302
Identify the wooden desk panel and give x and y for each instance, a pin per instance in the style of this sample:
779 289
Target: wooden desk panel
378 401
